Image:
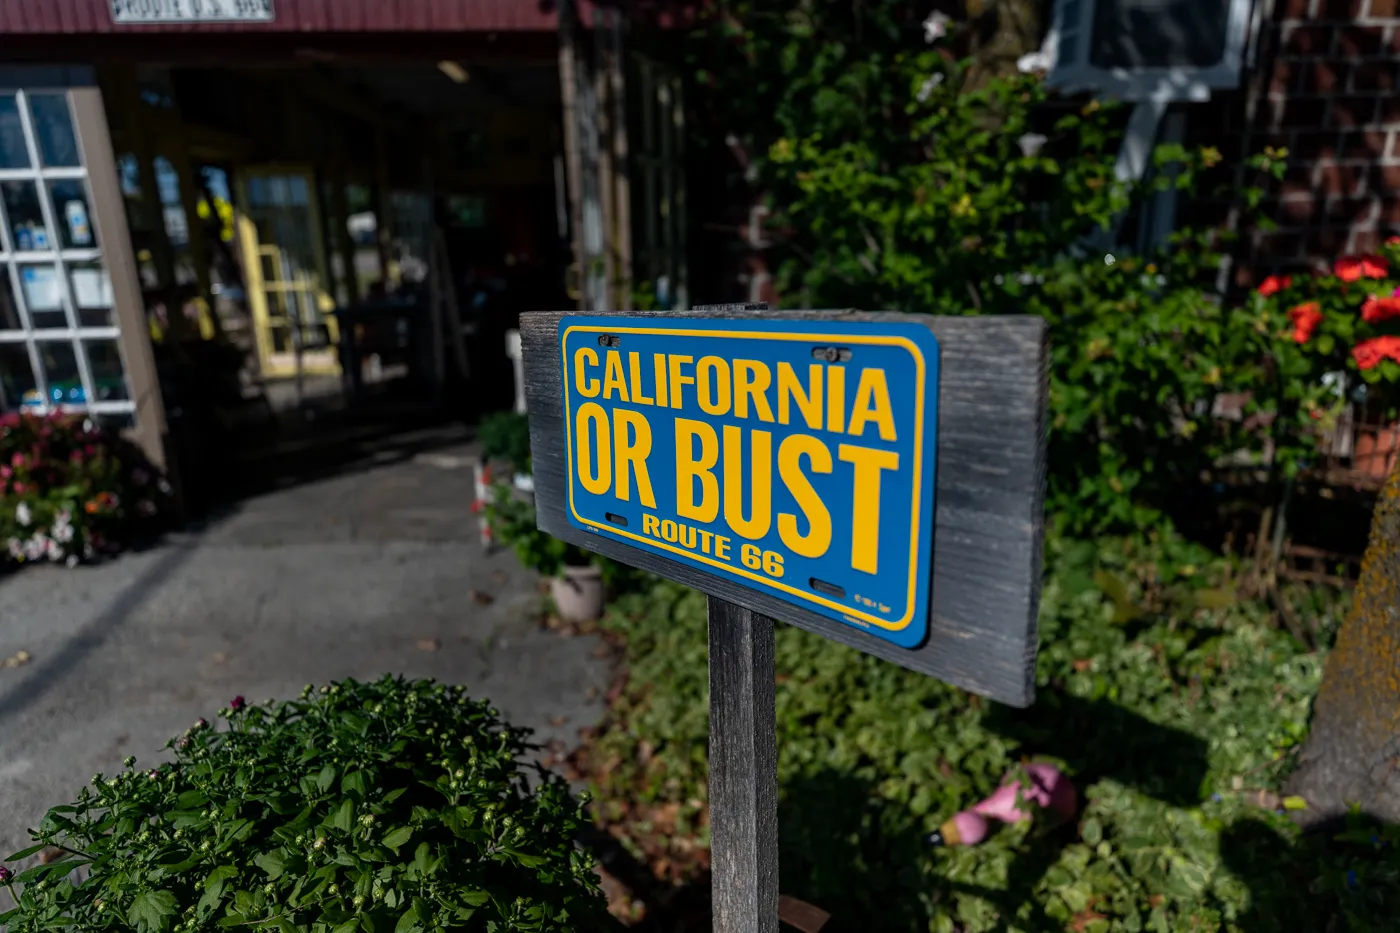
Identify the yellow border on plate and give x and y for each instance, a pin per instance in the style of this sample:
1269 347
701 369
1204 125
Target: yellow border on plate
873 339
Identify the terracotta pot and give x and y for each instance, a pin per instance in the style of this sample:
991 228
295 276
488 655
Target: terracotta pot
578 594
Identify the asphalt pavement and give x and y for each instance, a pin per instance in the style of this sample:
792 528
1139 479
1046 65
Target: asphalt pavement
354 575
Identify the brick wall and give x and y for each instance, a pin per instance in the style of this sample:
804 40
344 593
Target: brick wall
1326 86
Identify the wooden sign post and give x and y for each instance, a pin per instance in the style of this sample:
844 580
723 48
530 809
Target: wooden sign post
873 477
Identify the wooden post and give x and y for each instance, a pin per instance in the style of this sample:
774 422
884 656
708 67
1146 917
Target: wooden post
743 771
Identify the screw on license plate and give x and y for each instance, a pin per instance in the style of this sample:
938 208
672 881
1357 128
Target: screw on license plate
609 340
831 354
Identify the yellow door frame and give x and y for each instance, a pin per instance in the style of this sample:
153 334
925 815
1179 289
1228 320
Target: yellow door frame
276 364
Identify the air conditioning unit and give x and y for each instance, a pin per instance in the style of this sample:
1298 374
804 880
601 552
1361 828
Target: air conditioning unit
1139 50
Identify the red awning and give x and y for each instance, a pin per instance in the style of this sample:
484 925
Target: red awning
89 17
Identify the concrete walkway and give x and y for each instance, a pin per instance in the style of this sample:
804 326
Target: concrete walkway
354 576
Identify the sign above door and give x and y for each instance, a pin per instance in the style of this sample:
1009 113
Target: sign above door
140 12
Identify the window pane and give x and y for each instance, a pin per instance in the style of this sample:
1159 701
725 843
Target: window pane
27 228
92 293
9 309
70 205
53 130
13 153
43 296
1134 34
60 364
114 421
17 382
108 374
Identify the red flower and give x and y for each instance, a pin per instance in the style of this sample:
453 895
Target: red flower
476 506
1392 241
1273 285
1305 318
1369 353
1377 309
1351 268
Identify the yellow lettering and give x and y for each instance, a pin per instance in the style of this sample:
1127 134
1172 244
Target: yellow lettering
719 405
836 400
865 499
659 367
721 547
808 402
651 525
668 530
632 456
591 413
634 366
612 377
705 537
678 380
689 468
790 453
683 540
761 477
872 404
751 380
586 387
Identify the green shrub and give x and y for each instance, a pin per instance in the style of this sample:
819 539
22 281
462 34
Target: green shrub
372 806
1170 704
505 435
72 490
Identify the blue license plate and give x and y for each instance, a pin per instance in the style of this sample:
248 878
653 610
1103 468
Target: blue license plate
792 457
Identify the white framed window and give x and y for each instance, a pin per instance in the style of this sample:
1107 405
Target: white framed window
59 338
1137 50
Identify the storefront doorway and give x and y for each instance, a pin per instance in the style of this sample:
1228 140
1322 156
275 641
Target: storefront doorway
288 288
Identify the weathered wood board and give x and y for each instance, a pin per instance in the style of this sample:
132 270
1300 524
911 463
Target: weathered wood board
988 504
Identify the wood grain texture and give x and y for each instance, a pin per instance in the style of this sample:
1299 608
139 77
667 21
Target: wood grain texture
743 771
989 513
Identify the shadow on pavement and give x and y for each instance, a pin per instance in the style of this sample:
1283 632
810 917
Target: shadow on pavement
51 671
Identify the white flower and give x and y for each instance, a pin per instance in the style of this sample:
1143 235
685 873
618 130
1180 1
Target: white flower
162 485
930 85
1108 259
16 548
1030 144
1025 278
936 27
34 547
1032 62
22 515
72 560
62 533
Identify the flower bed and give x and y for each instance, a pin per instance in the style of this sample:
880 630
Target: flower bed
71 490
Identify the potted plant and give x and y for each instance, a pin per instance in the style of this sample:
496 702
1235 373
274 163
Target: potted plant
576 578
505 439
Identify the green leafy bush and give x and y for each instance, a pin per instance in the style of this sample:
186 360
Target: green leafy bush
371 806
1175 708
71 490
505 435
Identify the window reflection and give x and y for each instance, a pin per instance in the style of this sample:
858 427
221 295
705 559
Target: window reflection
28 232
13 153
18 386
53 130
